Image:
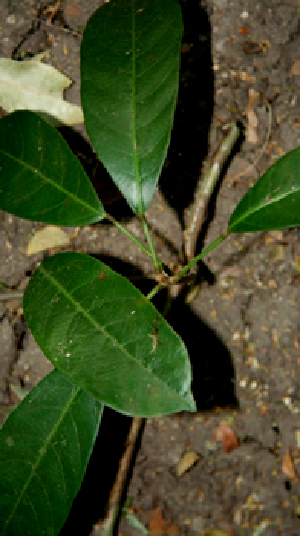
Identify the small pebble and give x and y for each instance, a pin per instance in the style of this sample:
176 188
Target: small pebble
244 15
11 19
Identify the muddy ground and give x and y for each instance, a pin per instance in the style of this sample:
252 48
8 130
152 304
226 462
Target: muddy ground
240 62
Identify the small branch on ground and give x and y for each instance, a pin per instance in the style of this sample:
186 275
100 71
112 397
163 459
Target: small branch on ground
204 192
11 295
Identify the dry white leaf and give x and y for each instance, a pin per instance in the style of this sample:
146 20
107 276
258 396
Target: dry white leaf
32 85
47 238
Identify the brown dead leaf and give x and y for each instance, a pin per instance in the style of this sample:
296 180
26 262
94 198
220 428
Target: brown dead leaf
288 467
159 526
187 460
223 432
295 69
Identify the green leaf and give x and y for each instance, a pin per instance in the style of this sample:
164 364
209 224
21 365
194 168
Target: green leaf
274 201
45 445
41 179
32 85
129 82
104 335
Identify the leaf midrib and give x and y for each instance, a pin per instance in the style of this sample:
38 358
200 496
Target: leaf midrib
99 327
37 172
263 205
43 451
133 104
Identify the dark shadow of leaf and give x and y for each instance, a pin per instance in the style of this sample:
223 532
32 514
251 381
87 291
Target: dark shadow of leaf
189 139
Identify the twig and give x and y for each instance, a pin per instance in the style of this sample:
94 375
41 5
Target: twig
52 28
52 11
204 191
114 504
11 295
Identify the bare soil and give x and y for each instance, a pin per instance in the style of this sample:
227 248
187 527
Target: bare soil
240 62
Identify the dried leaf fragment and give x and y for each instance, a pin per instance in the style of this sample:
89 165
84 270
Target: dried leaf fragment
47 238
32 85
186 462
288 467
223 432
159 526
295 69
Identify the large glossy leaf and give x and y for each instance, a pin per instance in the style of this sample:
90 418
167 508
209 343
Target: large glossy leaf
40 178
129 83
45 445
274 201
104 335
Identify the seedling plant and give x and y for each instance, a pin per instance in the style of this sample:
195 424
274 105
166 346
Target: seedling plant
108 343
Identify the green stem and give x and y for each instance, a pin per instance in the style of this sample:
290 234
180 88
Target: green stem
154 291
202 254
127 233
156 261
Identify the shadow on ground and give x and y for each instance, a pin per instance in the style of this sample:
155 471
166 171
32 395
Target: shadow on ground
189 139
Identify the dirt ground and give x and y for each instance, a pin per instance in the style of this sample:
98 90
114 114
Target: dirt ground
240 62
